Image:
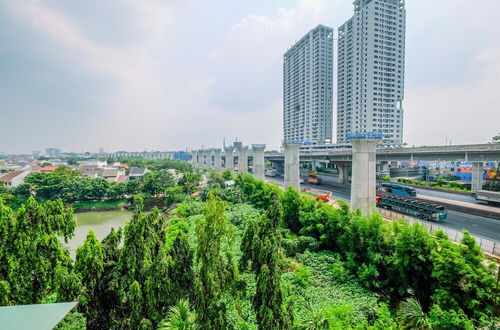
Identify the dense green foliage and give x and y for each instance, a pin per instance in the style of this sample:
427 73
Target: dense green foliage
261 246
439 183
157 164
31 255
217 271
84 193
397 260
237 257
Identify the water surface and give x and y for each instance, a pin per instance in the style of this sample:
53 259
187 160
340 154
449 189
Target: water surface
100 222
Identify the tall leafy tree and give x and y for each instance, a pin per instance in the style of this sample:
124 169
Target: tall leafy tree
90 265
291 209
217 276
462 281
30 249
180 317
156 183
411 265
261 246
411 316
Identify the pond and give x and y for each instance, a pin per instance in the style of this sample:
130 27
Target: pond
100 222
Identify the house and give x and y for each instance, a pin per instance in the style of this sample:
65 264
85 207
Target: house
137 173
49 168
112 174
14 178
91 171
122 179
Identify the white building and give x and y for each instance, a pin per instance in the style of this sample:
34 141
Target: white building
371 65
14 178
308 87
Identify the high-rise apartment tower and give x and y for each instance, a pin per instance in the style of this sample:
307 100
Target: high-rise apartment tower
371 65
308 87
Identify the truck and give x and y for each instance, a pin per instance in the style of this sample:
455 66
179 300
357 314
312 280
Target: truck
323 195
269 171
313 178
490 197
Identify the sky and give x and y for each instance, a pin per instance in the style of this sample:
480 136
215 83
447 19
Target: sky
169 75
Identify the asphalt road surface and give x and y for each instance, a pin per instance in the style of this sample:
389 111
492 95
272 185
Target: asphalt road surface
476 225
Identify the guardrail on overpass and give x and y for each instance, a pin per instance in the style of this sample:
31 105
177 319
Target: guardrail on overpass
487 245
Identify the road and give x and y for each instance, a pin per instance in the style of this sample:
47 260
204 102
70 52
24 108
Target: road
476 225
450 196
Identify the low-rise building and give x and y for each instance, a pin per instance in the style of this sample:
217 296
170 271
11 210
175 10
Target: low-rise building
112 174
49 168
14 178
137 173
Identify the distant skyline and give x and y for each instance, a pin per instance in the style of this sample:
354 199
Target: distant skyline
166 75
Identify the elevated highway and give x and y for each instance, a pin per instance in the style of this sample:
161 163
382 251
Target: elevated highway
470 152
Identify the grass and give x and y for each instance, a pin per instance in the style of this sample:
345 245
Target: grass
99 205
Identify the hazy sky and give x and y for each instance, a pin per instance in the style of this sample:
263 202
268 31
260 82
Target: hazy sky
147 74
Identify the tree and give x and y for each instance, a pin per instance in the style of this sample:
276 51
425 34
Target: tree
261 246
496 139
411 265
227 174
180 317
217 275
291 209
90 265
53 185
30 249
156 183
462 282
189 182
315 320
411 316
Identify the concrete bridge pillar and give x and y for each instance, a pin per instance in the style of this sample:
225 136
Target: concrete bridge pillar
208 158
343 174
217 160
477 176
363 187
194 157
258 161
199 158
292 173
228 151
243 159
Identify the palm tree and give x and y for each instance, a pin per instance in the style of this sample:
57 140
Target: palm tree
411 316
315 320
180 317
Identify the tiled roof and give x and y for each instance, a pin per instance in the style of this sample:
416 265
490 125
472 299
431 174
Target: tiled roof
137 171
110 172
48 168
122 178
9 176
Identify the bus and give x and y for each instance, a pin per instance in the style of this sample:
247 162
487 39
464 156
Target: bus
414 207
399 189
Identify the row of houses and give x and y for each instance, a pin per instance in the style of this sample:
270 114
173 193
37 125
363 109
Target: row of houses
14 178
